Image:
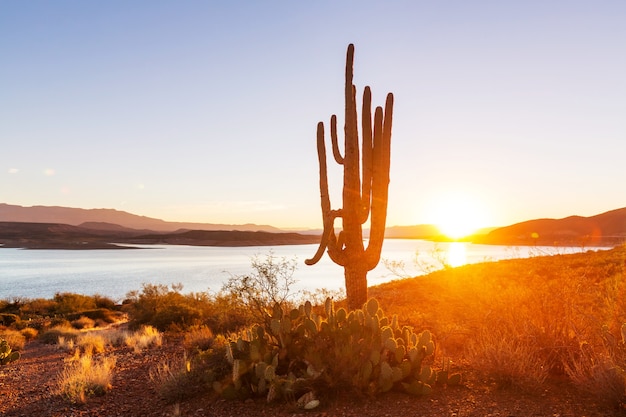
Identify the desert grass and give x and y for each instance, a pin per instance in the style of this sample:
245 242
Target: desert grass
198 338
83 322
87 342
91 343
173 379
86 376
143 338
52 335
521 321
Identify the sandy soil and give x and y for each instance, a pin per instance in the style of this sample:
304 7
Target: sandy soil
28 387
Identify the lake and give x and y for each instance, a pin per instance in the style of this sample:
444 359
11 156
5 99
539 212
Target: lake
113 273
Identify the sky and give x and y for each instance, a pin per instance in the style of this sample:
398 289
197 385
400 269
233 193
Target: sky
206 111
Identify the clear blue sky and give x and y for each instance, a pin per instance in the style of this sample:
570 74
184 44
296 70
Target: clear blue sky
206 110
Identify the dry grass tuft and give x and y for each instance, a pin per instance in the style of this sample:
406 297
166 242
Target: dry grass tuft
510 361
91 343
143 338
173 379
86 377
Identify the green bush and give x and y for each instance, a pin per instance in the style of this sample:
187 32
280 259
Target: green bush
166 309
67 303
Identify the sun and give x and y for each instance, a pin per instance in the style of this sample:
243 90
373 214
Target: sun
458 214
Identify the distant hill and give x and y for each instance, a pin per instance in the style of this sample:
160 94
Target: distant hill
421 231
77 216
607 228
110 236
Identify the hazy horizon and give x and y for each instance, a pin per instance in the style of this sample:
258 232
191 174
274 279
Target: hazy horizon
206 112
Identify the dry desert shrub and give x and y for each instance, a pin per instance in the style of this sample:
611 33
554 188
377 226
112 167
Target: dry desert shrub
508 359
65 330
198 338
86 377
83 322
14 338
174 379
29 333
523 320
91 342
143 338
189 375
601 370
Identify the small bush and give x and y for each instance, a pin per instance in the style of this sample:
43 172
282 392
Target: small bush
174 380
8 319
117 337
198 338
67 303
29 333
144 338
99 315
104 303
51 336
509 360
269 283
14 338
165 308
188 376
90 343
601 370
83 323
86 377
66 344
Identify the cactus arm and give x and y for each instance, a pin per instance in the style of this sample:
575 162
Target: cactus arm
328 219
366 184
380 183
333 139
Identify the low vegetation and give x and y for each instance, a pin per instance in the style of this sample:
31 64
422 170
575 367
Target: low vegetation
519 323
86 376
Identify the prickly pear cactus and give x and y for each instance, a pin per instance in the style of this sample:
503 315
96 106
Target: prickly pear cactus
298 350
7 355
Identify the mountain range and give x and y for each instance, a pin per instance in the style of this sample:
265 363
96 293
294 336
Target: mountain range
78 216
65 227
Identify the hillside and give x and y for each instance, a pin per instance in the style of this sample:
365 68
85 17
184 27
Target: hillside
605 229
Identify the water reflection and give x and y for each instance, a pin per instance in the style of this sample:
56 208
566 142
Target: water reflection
457 255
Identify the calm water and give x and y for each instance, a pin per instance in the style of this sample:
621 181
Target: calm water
42 273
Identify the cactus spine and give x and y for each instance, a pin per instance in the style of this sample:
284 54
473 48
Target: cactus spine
364 197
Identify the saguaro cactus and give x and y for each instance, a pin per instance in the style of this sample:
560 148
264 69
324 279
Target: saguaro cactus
362 197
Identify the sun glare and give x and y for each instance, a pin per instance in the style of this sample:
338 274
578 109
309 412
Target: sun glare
457 254
458 215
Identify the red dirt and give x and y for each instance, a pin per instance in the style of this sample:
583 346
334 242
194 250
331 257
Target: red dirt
28 387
